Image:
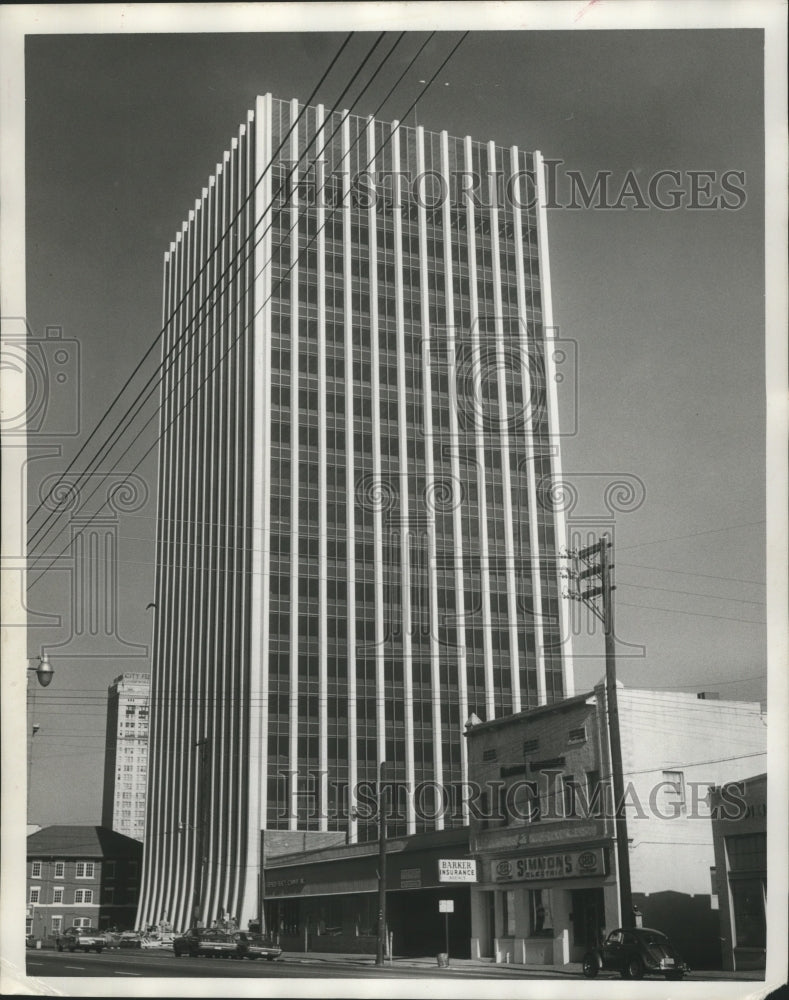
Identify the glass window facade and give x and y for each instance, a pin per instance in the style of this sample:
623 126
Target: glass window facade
352 556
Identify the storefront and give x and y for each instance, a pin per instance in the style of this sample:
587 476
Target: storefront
739 829
545 904
327 900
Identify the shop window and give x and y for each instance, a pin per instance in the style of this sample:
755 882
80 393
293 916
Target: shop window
541 917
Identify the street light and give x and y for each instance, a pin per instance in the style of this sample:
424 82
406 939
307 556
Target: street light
43 671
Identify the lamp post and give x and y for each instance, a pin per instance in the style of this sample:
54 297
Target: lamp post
44 674
43 671
379 958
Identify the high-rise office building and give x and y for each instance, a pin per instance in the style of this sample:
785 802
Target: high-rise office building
355 554
126 755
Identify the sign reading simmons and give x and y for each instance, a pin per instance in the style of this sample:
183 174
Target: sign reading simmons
564 864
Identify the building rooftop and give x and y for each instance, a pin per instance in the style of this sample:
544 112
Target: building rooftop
81 842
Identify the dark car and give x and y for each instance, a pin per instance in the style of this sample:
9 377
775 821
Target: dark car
87 938
256 946
205 941
632 952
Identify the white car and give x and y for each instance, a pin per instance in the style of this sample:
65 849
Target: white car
86 938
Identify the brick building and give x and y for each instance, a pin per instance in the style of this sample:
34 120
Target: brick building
81 876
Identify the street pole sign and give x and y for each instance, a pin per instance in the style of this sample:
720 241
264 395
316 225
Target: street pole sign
446 906
457 870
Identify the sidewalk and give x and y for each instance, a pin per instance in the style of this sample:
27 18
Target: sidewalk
572 970
469 965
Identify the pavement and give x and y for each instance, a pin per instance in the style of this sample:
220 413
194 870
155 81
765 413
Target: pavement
572 970
469 965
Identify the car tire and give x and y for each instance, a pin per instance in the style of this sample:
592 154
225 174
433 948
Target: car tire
590 966
270 958
634 968
99 951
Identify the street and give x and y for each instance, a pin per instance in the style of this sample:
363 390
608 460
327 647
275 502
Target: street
128 963
46 964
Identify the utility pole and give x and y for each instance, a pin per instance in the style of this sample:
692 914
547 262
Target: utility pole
593 569
379 958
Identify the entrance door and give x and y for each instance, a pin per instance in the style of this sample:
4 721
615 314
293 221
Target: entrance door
588 916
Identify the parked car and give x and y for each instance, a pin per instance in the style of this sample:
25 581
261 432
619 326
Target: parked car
632 952
256 946
205 941
87 938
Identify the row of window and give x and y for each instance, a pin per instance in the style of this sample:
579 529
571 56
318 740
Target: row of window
83 869
58 894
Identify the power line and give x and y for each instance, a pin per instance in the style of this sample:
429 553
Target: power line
709 576
151 382
697 614
688 593
693 534
205 380
149 388
200 272
223 274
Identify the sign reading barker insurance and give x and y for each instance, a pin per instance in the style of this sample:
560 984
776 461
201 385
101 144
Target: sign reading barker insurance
558 864
457 870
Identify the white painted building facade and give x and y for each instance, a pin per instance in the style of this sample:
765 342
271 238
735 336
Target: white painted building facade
548 881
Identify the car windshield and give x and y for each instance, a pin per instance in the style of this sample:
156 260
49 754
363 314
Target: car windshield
654 937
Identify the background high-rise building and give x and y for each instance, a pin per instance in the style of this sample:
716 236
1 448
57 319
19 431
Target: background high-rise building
354 553
126 755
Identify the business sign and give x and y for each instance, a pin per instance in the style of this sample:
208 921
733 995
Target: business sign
457 870
542 867
446 906
410 878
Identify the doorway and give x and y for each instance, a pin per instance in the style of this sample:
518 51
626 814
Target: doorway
588 917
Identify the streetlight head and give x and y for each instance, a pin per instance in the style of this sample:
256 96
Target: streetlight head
44 671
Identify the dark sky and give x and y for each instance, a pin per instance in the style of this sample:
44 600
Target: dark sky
663 309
